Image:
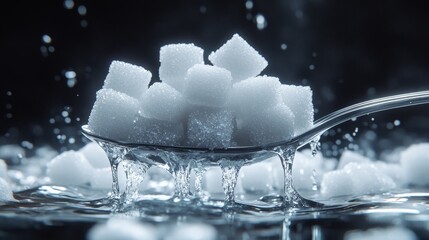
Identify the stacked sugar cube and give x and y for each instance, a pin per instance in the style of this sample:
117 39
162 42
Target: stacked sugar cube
218 105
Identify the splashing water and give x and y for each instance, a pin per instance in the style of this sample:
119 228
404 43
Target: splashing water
230 171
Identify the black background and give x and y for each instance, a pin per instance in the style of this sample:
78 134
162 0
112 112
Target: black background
360 49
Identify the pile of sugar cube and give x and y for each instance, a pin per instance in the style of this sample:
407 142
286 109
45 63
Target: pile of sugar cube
201 105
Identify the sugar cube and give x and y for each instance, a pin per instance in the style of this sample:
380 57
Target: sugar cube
163 102
207 85
192 231
175 61
113 114
257 178
157 132
306 172
6 193
241 59
391 233
101 178
3 170
350 156
95 155
271 125
356 179
415 164
69 168
127 78
253 95
299 100
210 128
122 229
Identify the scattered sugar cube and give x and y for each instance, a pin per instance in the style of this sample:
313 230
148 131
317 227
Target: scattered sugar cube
157 132
299 100
337 183
350 156
122 229
415 164
356 179
3 170
175 61
127 78
95 155
207 85
257 178
101 178
239 58
12 153
6 193
393 170
272 125
113 114
307 172
192 231
210 128
391 233
253 95
163 102
69 168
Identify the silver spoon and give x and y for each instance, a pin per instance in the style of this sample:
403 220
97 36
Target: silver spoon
181 157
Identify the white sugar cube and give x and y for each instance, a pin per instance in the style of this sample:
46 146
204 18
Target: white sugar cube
337 183
101 178
356 179
257 178
192 231
175 61
127 78
393 170
3 170
5 191
212 181
158 132
299 100
207 85
241 59
351 157
122 229
272 125
163 102
69 168
95 155
210 128
307 172
391 233
415 164
253 95
113 114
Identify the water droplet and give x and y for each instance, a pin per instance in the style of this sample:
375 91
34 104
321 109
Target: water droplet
261 23
70 74
283 46
68 4
46 38
396 123
27 144
81 10
311 67
64 113
249 5
203 9
8 93
84 23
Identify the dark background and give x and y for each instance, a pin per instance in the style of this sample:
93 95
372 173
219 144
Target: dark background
359 50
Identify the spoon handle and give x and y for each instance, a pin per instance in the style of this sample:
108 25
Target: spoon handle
360 109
